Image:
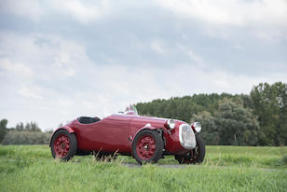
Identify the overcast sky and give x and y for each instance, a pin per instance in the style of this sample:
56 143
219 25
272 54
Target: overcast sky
61 59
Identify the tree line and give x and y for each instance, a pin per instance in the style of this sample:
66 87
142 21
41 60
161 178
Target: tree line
28 134
258 118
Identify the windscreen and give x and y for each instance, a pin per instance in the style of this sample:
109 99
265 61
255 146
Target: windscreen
131 110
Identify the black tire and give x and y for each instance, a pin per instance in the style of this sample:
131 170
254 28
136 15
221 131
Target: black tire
194 156
73 144
159 145
200 149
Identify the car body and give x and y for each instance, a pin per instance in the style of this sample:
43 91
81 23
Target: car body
146 138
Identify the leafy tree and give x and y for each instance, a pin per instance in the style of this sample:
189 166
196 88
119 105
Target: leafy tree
20 126
15 137
210 130
28 133
3 129
32 126
236 124
270 104
232 124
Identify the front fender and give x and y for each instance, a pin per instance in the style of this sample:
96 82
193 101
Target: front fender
67 128
143 128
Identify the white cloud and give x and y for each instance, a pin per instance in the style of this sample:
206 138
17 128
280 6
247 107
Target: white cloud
30 92
231 12
83 11
25 8
158 47
187 50
263 19
50 56
67 57
18 69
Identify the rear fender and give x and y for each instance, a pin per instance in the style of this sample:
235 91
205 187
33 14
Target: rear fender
67 128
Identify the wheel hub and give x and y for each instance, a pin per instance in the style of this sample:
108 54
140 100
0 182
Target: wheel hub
146 147
61 146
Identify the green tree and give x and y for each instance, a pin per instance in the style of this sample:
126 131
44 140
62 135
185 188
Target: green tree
15 137
270 105
232 124
237 125
210 130
32 126
3 129
19 126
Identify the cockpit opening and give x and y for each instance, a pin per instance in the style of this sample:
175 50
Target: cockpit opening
88 120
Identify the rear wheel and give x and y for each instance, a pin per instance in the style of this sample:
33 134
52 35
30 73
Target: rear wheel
63 145
194 156
147 147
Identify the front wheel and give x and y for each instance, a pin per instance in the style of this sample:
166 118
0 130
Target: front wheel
147 146
63 145
196 155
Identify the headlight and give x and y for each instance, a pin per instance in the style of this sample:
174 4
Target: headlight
186 136
171 123
196 126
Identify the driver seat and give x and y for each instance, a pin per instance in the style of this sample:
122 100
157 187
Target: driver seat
88 120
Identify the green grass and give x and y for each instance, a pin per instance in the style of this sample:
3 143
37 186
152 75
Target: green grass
226 168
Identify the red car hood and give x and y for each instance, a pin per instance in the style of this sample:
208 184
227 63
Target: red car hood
154 121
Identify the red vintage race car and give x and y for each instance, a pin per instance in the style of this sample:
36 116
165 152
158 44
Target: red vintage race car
147 139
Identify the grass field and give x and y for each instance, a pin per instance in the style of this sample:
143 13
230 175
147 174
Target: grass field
226 168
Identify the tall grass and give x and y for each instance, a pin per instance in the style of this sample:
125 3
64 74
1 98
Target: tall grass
31 168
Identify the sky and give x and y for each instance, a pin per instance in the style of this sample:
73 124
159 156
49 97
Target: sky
63 59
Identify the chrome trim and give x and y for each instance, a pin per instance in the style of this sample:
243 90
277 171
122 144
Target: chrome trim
192 142
171 123
197 126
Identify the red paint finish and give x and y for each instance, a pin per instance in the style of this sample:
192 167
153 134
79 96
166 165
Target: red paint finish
172 140
61 146
110 134
145 147
115 133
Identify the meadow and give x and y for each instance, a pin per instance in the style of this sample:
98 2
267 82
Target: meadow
226 168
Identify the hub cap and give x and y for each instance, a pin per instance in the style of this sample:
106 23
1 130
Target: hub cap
146 147
61 146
